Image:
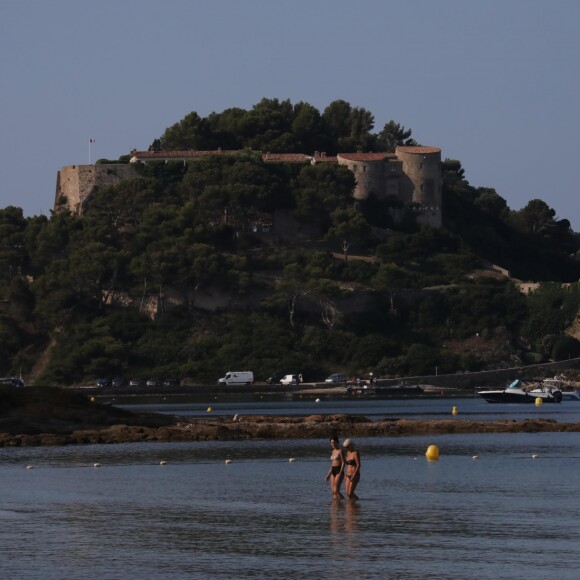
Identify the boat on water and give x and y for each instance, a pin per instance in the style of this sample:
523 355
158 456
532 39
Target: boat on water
518 393
570 392
571 395
379 391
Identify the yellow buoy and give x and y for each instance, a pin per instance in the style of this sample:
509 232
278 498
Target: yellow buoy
539 402
209 409
93 399
454 411
432 453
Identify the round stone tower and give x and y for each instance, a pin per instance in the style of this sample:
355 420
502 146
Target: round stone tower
422 167
369 172
422 182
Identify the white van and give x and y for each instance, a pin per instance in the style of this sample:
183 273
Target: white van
237 378
291 380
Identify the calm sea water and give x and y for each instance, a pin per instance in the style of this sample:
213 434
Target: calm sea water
505 515
468 408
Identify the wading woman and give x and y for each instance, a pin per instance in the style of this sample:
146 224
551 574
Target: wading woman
352 469
336 472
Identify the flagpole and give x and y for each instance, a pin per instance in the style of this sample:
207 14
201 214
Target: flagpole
90 141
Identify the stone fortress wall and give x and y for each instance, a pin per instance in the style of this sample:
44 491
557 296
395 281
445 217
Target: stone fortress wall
75 184
411 174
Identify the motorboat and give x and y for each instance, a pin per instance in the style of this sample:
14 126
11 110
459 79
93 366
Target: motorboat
570 390
518 393
571 395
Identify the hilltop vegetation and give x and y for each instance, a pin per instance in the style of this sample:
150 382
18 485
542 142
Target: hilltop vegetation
342 286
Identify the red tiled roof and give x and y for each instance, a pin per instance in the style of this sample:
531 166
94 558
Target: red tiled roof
324 159
418 150
365 156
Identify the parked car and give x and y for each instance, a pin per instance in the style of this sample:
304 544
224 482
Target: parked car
275 378
171 383
336 378
13 381
153 382
237 378
117 382
136 383
295 379
101 383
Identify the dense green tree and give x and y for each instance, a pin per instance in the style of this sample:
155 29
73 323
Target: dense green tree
321 189
536 217
392 135
348 227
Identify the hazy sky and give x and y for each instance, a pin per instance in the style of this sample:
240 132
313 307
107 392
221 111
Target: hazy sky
494 83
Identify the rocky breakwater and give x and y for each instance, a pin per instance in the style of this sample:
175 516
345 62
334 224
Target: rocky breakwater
47 416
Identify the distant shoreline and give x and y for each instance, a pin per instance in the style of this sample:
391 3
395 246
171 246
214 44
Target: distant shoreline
36 416
278 428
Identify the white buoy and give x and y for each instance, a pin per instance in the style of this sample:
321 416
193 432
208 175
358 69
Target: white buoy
96 465
317 401
163 462
475 457
292 460
228 461
236 417
535 456
29 467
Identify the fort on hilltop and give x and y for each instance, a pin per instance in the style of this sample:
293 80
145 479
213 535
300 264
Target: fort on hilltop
410 174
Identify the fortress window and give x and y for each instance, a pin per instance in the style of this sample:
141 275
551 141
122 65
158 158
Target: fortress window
354 168
364 168
420 166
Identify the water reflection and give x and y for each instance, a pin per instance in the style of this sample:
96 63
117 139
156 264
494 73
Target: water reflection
344 525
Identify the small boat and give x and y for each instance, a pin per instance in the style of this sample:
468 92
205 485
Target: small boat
517 393
570 390
571 395
378 391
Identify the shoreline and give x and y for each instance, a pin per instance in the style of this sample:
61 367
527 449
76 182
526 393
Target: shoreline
40 416
278 427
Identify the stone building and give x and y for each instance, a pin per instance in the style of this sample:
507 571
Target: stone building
75 184
410 174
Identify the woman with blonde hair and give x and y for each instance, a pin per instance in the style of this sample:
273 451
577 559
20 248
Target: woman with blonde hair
336 472
352 468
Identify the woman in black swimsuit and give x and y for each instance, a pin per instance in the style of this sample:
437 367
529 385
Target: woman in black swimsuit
336 472
352 469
